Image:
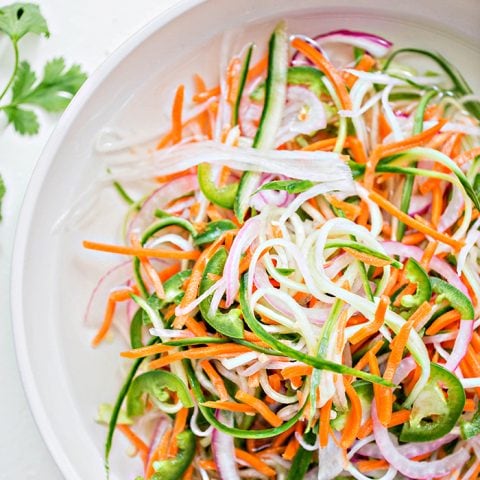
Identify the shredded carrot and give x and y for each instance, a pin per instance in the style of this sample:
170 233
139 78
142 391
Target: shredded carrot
384 128
467 156
196 276
354 418
230 406
207 464
363 362
188 475
437 205
135 440
413 238
296 371
325 423
224 350
443 321
197 328
178 427
378 321
177 114
147 252
146 351
370 465
382 151
469 405
260 407
327 68
351 210
216 379
411 222
160 453
258 68
398 418
205 95
291 450
255 462
428 254
383 395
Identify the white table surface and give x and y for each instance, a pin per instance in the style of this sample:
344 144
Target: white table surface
83 31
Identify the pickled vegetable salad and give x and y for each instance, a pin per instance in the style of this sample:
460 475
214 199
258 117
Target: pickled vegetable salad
303 298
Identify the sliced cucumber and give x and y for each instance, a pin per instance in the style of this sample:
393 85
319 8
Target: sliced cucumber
275 95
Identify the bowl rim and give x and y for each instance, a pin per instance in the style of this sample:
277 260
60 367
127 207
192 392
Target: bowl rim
33 190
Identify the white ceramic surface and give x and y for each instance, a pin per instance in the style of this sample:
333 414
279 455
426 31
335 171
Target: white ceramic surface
65 380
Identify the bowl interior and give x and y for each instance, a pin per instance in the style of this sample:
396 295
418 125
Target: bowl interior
65 379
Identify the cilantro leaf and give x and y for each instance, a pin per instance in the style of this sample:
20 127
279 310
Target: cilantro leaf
54 91
290 186
24 121
3 189
18 19
24 80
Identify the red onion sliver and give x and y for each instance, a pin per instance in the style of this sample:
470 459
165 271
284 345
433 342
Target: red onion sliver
437 264
223 450
411 468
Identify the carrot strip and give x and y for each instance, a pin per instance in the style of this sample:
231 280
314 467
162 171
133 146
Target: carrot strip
178 427
363 362
398 418
147 252
205 95
260 407
325 423
384 128
443 321
352 425
437 205
258 68
327 68
171 176
325 144
146 351
177 114
117 296
198 328
197 272
370 465
364 65
428 254
291 450
396 147
160 453
134 439
383 396
369 330
224 350
230 406
413 238
411 222
255 462
216 379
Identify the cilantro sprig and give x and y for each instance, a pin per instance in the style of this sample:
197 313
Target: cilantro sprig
53 91
24 93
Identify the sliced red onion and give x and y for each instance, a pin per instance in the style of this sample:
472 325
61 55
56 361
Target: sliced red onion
411 468
373 44
223 449
437 264
179 310
407 365
331 460
304 113
471 239
419 204
300 59
409 450
249 118
160 198
158 433
111 280
460 347
245 237
440 338
453 210
279 198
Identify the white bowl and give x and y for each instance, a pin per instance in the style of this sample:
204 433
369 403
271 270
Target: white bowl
52 276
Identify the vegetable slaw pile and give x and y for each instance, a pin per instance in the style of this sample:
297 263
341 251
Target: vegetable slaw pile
303 298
